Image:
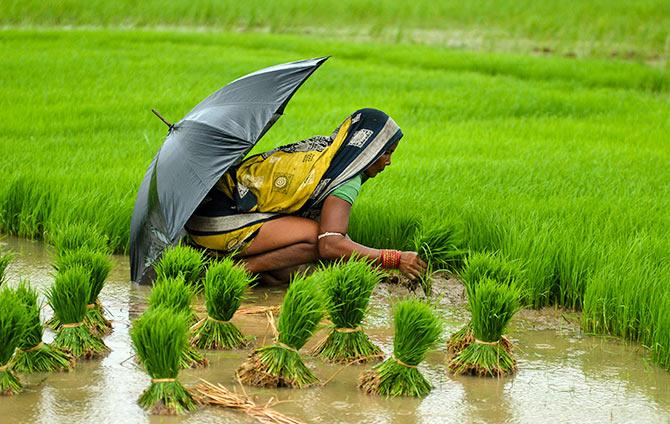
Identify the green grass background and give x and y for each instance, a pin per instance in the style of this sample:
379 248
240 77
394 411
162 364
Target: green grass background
634 29
560 163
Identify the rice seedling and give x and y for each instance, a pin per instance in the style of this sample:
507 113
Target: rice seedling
225 285
477 267
71 237
33 355
13 322
159 337
182 260
440 247
5 259
98 266
492 307
176 295
280 364
348 286
68 297
417 328
519 189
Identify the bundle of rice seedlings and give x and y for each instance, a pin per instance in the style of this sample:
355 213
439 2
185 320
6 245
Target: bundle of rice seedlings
176 295
5 259
492 306
477 267
280 364
439 246
76 236
32 355
225 285
182 261
348 286
417 329
98 266
159 337
13 322
68 298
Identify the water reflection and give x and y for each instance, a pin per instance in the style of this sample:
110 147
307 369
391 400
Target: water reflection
563 376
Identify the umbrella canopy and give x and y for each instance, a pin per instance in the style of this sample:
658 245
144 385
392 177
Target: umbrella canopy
214 136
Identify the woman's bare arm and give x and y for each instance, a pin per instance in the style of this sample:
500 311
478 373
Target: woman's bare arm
335 219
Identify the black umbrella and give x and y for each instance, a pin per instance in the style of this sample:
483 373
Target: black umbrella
214 136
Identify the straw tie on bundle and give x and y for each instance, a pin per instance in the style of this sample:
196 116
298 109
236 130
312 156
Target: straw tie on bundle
68 298
33 355
492 306
348 286
477 267
225 284
280 364
416 330
176 295
98 266
13 323
159 337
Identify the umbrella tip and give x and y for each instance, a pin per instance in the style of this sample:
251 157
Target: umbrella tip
165 121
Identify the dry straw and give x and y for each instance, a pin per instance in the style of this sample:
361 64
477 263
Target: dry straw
217 395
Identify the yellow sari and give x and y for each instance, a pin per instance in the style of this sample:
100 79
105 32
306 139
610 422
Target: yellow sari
292 179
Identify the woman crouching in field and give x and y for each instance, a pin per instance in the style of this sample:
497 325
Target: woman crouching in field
290 206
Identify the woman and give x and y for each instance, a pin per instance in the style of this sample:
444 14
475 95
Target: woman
290 206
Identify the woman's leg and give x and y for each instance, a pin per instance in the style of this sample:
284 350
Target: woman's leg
282 243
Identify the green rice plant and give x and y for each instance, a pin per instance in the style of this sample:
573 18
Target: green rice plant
75 236
98 266
225 284
492 307
33 355
176 295
5 259
13 323
280 364
68 297
477 267
417 329
348 286
440 247
159 337
182 260
173 293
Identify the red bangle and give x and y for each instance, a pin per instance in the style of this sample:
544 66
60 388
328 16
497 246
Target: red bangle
390 259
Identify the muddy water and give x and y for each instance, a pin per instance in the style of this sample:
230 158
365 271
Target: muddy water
564 376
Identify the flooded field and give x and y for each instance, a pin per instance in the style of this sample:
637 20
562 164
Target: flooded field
564 375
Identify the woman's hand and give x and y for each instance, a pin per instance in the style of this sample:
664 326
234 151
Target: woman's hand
411 265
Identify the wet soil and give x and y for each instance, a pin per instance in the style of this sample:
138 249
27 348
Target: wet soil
564 375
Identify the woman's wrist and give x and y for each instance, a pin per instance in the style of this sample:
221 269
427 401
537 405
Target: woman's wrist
390 259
